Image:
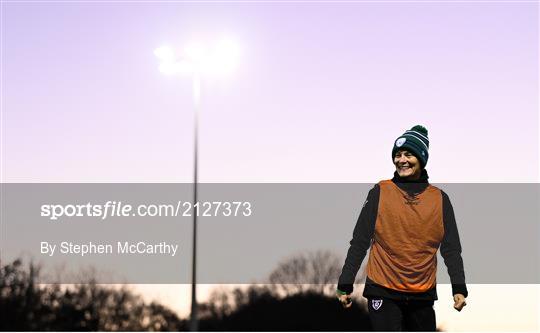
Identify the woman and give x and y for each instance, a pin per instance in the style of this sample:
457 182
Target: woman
405 220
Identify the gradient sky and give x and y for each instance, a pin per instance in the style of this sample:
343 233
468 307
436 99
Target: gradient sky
321 92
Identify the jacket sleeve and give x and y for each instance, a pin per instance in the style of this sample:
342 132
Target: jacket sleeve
451 249
361 241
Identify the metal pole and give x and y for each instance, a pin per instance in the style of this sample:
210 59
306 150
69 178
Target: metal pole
194 323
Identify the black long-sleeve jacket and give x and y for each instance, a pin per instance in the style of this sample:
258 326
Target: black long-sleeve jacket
362 238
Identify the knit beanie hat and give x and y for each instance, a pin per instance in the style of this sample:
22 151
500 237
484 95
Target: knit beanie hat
416 141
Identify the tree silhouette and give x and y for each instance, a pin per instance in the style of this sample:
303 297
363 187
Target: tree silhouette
301 298
28 306
316 272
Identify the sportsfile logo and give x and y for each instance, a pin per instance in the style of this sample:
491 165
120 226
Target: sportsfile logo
119 209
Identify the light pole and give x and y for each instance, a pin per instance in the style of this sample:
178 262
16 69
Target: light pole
196 61
194 323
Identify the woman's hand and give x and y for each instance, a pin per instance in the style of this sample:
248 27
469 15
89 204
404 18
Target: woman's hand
345 300
459 302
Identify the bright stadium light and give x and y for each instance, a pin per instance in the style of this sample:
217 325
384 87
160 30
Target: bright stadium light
225 57
197 59
165 54
196 53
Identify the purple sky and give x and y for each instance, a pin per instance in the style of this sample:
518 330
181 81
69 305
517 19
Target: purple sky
321 92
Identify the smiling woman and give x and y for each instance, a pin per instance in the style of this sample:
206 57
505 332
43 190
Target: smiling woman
405 220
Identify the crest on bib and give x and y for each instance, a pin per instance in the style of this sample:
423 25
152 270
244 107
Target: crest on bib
376 303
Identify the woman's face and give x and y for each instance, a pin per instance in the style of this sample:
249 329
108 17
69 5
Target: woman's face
407 165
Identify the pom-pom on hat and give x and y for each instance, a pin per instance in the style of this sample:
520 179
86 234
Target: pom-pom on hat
416 141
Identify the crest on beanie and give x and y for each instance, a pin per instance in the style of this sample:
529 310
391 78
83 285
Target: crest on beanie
416 141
